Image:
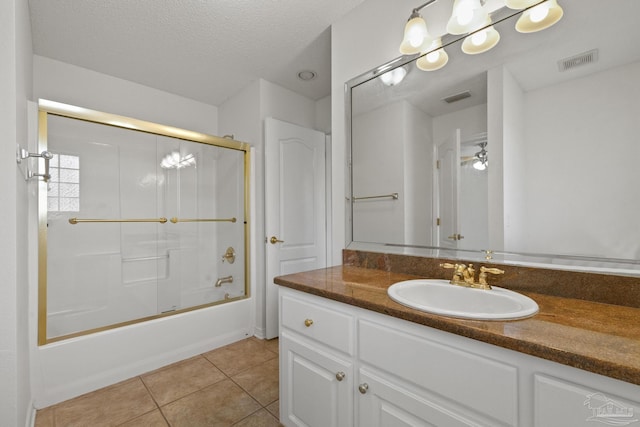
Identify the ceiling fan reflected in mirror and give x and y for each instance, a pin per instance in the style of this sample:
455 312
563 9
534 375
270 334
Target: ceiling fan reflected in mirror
480 160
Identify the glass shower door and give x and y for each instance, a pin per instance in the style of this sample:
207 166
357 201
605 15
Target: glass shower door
137 226
203 198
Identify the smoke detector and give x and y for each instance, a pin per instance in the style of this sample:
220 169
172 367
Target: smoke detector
306 75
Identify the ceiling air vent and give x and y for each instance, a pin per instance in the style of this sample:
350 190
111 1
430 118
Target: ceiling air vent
457 97
579 60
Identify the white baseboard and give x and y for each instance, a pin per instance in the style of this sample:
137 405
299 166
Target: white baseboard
259 333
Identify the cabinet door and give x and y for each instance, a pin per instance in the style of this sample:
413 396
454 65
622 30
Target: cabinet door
316 386
563 403
384 403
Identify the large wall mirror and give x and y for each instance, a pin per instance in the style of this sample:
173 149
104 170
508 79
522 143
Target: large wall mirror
530 150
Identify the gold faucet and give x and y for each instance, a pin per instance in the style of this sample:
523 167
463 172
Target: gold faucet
464 275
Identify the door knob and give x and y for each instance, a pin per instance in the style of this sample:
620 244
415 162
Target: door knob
340 376
275 240
363 388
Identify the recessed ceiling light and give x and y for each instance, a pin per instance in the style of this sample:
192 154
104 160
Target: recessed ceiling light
307 75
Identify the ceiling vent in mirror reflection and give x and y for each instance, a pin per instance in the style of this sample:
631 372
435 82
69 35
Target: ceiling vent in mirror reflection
579 60
457 97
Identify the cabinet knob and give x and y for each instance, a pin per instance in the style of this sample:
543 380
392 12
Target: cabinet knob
363 388
308 322
340 376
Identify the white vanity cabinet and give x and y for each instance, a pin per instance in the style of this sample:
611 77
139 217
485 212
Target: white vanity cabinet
316 363
423 377
355 367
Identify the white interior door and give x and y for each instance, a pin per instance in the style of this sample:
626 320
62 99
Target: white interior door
448 178
295 219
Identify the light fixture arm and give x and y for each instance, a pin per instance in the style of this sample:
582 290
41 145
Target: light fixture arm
416 12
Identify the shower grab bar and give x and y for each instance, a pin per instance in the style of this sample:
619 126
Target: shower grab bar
393 196
161 220
176 220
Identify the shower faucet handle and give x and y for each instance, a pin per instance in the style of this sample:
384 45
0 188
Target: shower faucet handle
229 255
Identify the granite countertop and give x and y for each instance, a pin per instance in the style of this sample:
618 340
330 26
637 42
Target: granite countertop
596 337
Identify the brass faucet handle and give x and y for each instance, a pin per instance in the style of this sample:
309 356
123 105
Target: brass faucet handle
459 271
491 270
482 277
458 267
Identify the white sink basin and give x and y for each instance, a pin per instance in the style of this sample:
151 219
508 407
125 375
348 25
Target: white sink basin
440 297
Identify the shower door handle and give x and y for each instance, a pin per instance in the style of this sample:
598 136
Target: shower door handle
275 240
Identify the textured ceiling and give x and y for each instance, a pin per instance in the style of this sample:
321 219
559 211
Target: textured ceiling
206 50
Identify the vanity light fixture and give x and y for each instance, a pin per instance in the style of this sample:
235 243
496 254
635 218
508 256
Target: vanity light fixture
482 40
536 18
467 15
415 32
393 77
435 58
470 17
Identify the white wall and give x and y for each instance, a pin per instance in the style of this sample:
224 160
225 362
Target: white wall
62 82
470 121
514 165
395 155
418 177
568 158
15 89
323 115
496 105
378 169
243 116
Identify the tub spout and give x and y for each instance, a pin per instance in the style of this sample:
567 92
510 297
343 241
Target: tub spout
221 280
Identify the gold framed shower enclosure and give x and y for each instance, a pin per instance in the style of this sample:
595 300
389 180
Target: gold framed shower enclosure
191 223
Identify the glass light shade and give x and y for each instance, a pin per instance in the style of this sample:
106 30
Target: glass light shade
539 17
467 15
435 59
415 32
480 165
481 41
393 77
520 4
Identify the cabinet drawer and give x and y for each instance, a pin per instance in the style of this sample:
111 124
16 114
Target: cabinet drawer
484 385
324 324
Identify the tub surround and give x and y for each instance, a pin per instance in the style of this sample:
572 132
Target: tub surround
588 321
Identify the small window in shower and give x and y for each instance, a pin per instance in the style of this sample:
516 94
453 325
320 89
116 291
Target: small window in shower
63 191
